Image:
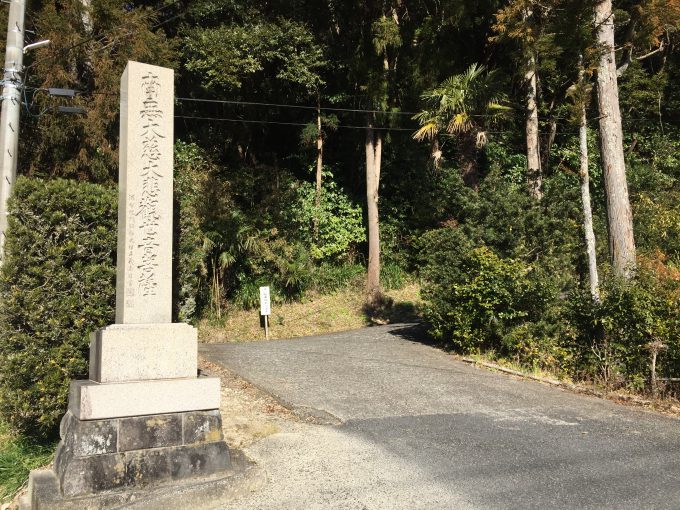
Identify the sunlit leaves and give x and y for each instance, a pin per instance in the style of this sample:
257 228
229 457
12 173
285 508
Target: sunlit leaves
226 57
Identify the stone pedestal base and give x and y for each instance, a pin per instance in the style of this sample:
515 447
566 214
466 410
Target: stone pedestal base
143 420
208 493
122 454
90 400
137 352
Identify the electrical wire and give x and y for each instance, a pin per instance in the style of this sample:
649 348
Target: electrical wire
307 107
301 124
323 108
341 126
281 105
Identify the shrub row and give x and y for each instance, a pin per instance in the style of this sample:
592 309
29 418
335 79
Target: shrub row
480 301
56 286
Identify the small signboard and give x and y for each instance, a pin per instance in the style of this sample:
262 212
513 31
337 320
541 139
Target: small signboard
265 309
265 303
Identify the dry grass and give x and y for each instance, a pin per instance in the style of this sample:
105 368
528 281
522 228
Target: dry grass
664 404
317 314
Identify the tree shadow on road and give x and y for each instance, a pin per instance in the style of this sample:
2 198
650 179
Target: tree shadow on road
386 310
415 332
405 316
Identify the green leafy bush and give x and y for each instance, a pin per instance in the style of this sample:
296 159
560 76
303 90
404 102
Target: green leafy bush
392 276
474 297
657 217
540 346
329 278
56 286
614 336
191 185
267 260
338 221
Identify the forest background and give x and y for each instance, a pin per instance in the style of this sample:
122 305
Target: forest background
473 147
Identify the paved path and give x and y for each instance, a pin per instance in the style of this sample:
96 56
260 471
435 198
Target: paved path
408 427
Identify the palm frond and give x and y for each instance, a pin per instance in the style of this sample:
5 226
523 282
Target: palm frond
459 123
454 105
427 131
226 259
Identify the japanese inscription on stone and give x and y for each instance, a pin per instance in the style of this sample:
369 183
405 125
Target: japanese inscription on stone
151 117
144 277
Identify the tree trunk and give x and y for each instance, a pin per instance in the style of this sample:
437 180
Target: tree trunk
619 214
533 141
373 160
85 16
333 18
436 154
319 166
587 210
467 159
549 142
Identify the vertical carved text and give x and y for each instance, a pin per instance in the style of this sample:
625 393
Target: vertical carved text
148 211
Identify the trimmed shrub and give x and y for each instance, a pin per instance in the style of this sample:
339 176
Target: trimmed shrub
56 286
474 298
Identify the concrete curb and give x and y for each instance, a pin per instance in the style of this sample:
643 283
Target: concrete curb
632 400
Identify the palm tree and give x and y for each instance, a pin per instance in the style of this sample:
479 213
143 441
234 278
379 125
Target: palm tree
460 108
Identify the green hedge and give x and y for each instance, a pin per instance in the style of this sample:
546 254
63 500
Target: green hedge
192 181
56 286
475 299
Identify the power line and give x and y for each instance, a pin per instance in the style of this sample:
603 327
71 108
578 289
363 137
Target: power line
306 107
281 105
328 108
300 124
251 121
323 108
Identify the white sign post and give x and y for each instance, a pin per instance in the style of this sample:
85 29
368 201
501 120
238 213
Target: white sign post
265 309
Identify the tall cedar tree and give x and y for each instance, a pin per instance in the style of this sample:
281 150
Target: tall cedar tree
522 21
91 44
619 212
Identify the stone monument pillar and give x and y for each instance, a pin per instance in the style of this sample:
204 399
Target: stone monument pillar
144 417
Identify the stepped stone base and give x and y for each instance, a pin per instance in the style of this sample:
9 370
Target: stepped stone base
90 400
208 493
100 457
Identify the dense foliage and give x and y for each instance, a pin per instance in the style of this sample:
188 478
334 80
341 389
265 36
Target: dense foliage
266 91
56 286
331 227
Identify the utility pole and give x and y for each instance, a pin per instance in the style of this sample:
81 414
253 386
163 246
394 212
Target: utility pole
11 107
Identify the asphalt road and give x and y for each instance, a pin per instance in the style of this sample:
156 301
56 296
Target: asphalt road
407 426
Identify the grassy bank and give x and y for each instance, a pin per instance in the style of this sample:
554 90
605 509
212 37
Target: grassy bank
317 314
